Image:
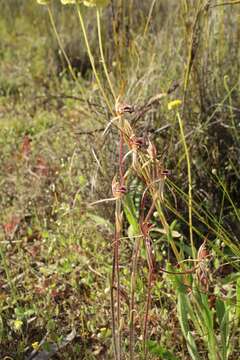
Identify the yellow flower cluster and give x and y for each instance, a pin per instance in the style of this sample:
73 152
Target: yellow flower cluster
173 104
17 324
36 345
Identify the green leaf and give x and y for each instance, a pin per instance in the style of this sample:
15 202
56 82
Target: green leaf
224 330
22 313
205 315
238 297
131 233
223 319
220 310
156 349
131 214
192 349
184 308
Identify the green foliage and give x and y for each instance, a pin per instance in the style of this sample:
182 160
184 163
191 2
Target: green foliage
156 349
195 309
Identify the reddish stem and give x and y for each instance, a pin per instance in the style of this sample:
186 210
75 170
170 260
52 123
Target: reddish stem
148 306
121 167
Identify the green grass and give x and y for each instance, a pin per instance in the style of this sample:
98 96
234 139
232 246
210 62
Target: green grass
55 247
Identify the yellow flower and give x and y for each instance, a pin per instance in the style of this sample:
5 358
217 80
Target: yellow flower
17 324
174 103
35 345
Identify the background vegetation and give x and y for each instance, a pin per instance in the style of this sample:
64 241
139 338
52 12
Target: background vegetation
56 249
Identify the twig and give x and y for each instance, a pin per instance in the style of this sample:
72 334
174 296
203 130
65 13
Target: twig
154 100
48 97
90 132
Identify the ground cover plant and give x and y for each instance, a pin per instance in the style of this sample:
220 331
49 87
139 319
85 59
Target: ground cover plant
119 178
